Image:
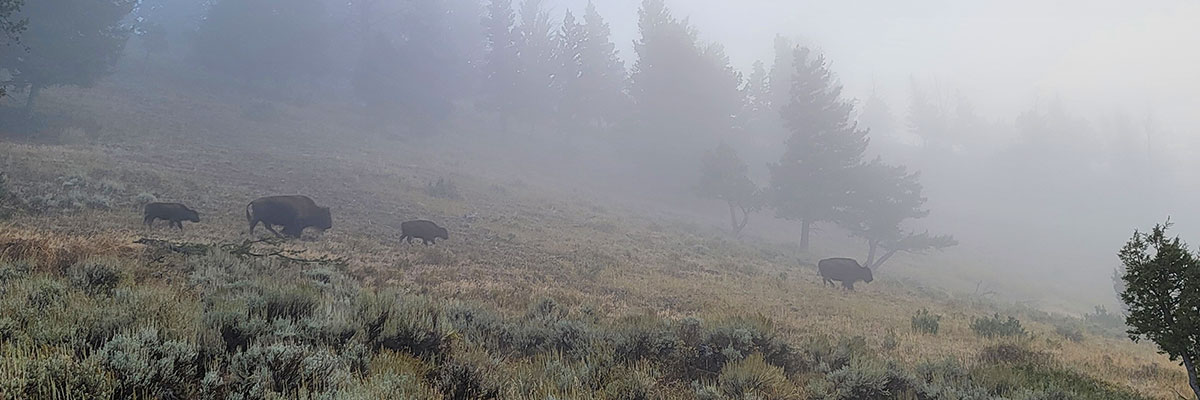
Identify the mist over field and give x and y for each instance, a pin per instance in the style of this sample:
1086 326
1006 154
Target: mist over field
532 184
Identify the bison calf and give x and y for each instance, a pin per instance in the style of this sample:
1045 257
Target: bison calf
293 213
844 270
174 212
427 231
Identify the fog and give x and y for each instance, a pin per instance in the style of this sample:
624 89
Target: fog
1044 132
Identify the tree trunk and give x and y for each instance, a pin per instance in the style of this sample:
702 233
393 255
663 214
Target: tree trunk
34 90
884 259
1191 370
745 219
733 220
805 227
871 254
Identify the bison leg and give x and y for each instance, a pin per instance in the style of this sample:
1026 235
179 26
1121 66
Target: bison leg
271 229
178 224
253 223
426 241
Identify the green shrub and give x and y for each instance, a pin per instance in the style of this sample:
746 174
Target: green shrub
473 375
1011 353
95 277
867 381
46 293
14 270
291 302
147 365
25 375
413 325
443 189
890 340
925 322
752 377
1071 333
144 198
996 326
283 368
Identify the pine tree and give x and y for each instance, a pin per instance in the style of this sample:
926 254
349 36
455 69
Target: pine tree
723 176
535 96
66 42
592 76
809 184
881 199
10 28
779 83
1162 290
276 41
687 95
501 67
758 90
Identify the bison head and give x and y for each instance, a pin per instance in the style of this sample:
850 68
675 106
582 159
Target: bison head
442 233
192 215
322 219
867 276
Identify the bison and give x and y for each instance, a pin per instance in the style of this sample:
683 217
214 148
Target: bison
844 270
294 213
175 213
427 231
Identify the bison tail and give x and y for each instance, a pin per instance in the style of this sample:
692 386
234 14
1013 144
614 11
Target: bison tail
249 217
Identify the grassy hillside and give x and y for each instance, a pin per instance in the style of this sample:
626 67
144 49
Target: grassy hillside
541 291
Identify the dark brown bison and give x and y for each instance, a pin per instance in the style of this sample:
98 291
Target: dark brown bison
427 231
294 213
175 213
844 270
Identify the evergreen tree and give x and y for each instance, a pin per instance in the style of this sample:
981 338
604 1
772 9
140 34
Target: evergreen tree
882 198
758 91
154 39
687 95
592 77
809 183
66 42
535 96
10 28
280 41
779 83
724 177
501 67
1162 291
417 72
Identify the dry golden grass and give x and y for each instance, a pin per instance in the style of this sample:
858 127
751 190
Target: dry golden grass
522 242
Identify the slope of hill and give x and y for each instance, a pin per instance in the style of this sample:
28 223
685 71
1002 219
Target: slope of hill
540 291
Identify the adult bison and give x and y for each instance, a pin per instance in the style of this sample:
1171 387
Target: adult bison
844 270
427 231
174 213
294 213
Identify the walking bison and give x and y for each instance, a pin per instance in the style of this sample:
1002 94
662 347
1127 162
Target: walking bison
294 213
175 213
427 231
844 270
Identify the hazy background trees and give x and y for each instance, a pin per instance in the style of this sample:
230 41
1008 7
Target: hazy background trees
577 88
260 42
10 29
66 42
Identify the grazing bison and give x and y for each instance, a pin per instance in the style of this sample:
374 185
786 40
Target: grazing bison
294 213
175 213
844 270
427 231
